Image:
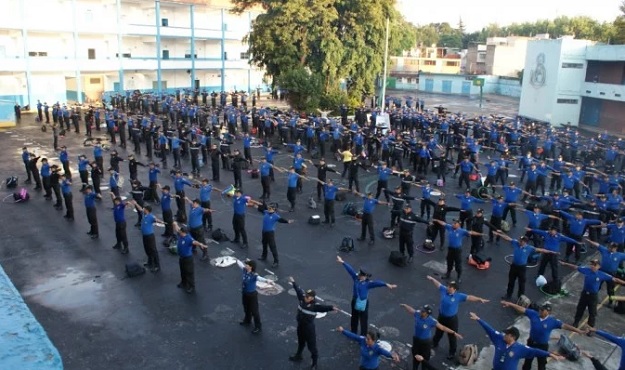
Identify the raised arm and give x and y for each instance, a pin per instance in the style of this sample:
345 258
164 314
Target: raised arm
436 283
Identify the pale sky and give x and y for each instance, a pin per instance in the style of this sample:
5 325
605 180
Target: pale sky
477 14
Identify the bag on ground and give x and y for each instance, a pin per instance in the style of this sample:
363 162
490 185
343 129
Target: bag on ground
134 269
11 182
347 244
568 349
398 259
468 355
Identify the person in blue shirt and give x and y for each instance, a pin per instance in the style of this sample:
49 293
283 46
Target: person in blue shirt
114 182
64 158
293 178
369 203
466 167
250 295
179 184
541 326
619 341
611 261
92 216
508 352
119 209
511 198
518 268
370 350
66 190
552 240
589 297
239 204
466 213
97 154
424 324
26 159
329 191
383 174
577 226
196 217
360 295
168 216
454 248
45 178
270 218
149 241
185 246
450 300
205 202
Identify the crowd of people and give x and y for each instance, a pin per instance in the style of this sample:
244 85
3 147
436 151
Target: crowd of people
569 191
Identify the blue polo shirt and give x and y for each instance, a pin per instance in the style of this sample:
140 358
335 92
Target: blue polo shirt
185 246
540 329
465 201
265 169
239 204
292 180
195 217
330 191
534 219
619 341
180 182
511 195
249 281
369 205
369 356
610 260
455 236
205 193
90 200
593 280
384 173
166 202
521 254
153 174
66 187
269 221
577 227
119 214
450 302
147 224
498 208
423 327
552 242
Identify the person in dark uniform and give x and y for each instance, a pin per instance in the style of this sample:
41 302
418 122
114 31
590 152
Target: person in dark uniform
132 166
66 189
114 161
440 213
32 164
185 246
424 324
215 154
179 184
92 216
541 326
250 295
322 170
407 222
306 314
237 166
55 185
360 296
168 216
119 216
137 192
96 178
454 248
270 218
448 314
328 204
26 159
477 223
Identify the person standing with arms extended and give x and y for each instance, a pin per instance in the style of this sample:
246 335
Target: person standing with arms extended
360 296
66 189
370 350
119 216
508 352
424 324
448 314
541 326
185 246
149 241
92 215
454 248
270 218
306 313
250 295
239 204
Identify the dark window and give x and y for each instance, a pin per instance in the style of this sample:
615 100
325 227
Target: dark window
32 53
91 53
567 101
42 54
573 65
245 55
95 81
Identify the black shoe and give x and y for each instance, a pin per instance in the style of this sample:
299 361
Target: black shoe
360 239
262 258
275 264
179 286
94 236
410 259
245 323
188 291
116 246
256 331
296 358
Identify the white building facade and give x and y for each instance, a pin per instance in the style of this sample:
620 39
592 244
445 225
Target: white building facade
575 81
61 50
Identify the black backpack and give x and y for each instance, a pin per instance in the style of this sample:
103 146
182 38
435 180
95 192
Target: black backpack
134 269
350 209
398 259
340 196
568 349
347 244
11 182
219 235
553 287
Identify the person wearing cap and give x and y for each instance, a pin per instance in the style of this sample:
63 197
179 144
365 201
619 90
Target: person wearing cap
322 170
239 204
552 240
577 226
491 169
407 222
383 174
496 217
96 178
97 154
611 261
518 268
45 178
119 216
477 223
264 169
426 201
511 195
292 180
64 158
114 161
398 201
424 324
179 184
592 211
536 220
329 190
466 167
589 298
250 295
196 215
66 190
407 180
541 326
206 190
370 349
149 241
509 352
168 216
454 248
466 213
616 233
450 300
270 218
440 213
368 207
132 166
185 244
153 172
114 181
306 313
92 216
360 295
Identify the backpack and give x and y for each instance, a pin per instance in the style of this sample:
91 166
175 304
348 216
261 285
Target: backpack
340 196
11 182
350 209
619 307
21 196
388 233
552 288
398 259
311 203
347 244
219 235
568 349
314 220
468 355
134 269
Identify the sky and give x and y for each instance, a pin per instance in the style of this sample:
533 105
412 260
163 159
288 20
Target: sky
477 14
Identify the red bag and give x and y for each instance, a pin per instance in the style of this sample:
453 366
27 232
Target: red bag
473 177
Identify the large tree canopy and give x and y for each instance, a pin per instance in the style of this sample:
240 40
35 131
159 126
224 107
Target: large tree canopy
334 40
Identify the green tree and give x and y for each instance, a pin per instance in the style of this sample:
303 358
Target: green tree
619 26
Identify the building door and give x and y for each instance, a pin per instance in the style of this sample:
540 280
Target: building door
447 87
116 86
429 84
466 87
91 53
165 54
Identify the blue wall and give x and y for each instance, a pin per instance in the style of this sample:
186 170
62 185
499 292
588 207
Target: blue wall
7 104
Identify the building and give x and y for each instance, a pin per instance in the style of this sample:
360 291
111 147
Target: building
426 60
500 56
575 81
75 50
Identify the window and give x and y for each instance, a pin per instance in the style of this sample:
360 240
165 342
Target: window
42 54
32 53
430 63
155 85
91 53
124 55
567 101
245 55
451 64
573 65
95 81
225 55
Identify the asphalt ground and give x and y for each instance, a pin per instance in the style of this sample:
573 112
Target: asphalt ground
97 318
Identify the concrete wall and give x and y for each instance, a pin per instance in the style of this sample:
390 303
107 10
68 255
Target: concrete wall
460 85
